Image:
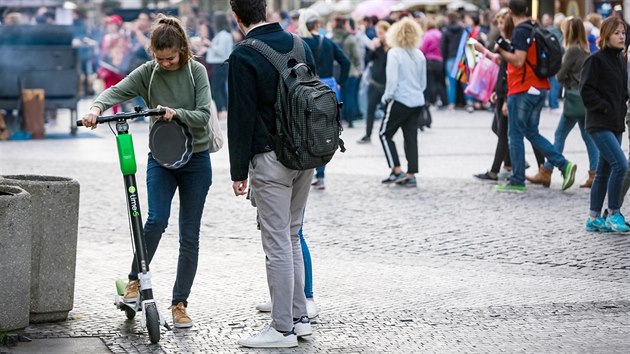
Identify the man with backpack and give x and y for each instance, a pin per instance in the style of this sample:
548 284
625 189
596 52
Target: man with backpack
263 147
533 58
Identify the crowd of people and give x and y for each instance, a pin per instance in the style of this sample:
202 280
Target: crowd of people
391 69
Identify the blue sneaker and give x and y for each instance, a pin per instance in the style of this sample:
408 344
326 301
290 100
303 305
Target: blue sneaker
597 225
393 177
617 223
407 181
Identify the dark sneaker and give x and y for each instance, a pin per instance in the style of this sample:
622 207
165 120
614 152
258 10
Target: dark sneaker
510 188
393 178
487 176
364 140
407 181
569 175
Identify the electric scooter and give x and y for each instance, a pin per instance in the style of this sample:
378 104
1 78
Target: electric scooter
151 318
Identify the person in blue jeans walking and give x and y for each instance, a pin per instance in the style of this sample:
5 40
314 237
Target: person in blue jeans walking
526 98
172 70
603 86
573 111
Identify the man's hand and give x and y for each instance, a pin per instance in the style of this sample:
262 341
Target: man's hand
239 187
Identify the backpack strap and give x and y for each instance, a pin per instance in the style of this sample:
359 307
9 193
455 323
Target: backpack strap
530 41
277 59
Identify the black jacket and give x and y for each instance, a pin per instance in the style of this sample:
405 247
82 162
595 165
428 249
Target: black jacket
252 85
603 87
326 57
378 58
451 36
501 87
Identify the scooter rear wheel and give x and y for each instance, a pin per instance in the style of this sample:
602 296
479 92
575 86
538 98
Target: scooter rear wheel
153 323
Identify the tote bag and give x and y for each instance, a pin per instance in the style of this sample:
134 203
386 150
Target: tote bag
483 80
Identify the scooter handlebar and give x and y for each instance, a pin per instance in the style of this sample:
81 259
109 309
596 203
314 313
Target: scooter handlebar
126 115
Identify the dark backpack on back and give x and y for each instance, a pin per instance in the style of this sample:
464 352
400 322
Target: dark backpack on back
306 110
548 52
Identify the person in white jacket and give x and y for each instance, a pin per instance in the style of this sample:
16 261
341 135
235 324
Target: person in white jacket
403 99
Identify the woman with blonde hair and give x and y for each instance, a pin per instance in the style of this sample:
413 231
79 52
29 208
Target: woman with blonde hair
403 99
573 111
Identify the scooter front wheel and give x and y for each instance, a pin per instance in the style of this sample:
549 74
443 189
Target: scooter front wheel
153 322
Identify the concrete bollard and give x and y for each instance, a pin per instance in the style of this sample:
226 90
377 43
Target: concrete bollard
15 257
55 218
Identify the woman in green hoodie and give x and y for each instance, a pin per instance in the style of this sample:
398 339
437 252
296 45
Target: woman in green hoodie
177 83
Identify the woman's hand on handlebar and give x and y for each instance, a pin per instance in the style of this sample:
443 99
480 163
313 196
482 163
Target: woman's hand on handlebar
89 120
168 116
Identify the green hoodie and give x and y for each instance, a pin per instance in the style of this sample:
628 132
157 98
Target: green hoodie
173 89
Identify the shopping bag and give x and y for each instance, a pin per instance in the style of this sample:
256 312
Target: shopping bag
482 80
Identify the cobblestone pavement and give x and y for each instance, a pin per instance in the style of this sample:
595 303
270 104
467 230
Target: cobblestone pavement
451 266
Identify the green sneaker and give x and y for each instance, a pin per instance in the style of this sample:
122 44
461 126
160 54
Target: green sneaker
510 188
569 175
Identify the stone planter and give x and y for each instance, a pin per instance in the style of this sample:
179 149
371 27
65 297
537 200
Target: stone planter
15 256
55 218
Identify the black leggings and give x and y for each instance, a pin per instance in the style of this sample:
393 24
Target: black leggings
500 128
374 95
397 115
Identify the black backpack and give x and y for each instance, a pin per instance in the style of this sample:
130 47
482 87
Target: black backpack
548 52
306 109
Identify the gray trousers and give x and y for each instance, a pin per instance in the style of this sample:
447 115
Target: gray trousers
280 195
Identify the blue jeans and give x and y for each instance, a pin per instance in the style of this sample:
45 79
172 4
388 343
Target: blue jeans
320 171
611 171
554 92
193 181
452 82
349 94
218 86
524 115
565 125
308 266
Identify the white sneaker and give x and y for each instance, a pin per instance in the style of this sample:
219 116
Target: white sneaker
264 307
311 308
270 338
302 327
